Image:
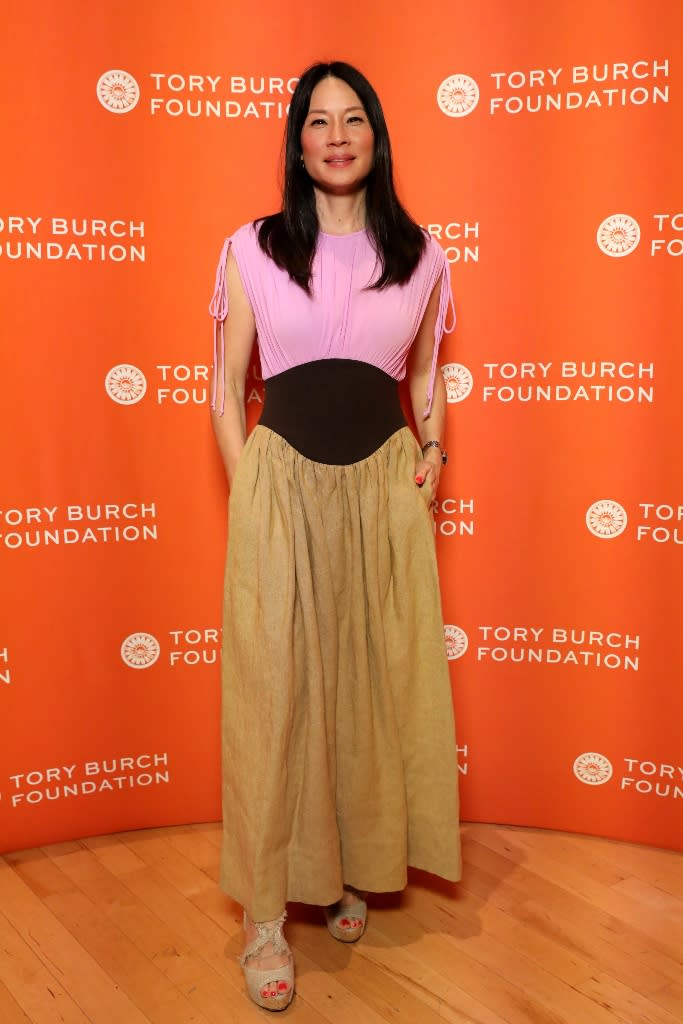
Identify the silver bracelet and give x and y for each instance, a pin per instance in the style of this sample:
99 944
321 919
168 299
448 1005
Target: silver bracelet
436 444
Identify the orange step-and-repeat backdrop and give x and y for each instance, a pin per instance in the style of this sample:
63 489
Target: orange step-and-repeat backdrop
539 147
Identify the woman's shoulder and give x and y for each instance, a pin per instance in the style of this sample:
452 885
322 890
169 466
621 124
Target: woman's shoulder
433 252
247 237
244 243
433 258
246 234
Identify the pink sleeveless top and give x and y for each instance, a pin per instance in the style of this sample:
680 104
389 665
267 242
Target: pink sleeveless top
339 320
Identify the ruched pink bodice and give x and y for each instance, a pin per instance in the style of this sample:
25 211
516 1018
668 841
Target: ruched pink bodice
339 319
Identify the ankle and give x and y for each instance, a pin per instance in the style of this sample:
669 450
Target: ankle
264 939
353 895
275 924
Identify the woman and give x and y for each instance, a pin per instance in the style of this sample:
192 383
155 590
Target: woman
338 739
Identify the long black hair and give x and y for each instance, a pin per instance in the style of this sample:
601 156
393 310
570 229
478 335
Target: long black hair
290 236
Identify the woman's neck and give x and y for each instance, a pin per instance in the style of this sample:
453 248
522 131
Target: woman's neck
340 215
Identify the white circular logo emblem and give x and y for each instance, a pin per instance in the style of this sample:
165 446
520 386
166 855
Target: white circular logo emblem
593 769
618 235
118 91
458 380
140 650
125 384
456 642
457 95
606 519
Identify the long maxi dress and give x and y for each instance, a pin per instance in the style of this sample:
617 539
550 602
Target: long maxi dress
339 758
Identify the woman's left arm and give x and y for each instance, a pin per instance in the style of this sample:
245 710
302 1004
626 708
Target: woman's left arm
418 371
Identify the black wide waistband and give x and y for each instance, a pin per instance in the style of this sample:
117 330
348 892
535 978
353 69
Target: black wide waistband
335 411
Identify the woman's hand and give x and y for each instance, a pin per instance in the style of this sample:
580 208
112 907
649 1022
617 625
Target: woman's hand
428 470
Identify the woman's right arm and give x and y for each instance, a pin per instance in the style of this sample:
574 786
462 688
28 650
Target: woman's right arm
230 426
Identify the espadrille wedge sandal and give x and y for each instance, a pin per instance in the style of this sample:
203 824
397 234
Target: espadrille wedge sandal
273 988
346 921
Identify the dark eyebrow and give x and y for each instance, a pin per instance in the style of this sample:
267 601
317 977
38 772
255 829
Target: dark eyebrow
318 111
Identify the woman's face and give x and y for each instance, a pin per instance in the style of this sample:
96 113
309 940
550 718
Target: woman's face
337 141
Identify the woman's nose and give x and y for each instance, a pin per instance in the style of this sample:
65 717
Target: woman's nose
338 133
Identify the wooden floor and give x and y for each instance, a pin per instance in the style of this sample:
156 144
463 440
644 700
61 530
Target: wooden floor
545 928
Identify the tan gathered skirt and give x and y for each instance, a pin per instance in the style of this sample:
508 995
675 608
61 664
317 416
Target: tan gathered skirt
339 760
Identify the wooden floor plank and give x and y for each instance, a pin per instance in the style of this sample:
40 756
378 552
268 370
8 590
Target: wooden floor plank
632 911
187 926
501 996
663 868
623 871
141 980
550 892
671 998
90 987
545 928
568 930
10 1011
548 989
652 896
563 848
364 979
585 972
403 965
113 853
156 850
198 849
327 996
151 935
208 992
564 928
33 989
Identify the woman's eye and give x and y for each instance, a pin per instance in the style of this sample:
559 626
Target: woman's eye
355 118
318 120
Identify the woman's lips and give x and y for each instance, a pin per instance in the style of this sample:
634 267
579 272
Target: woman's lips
340 161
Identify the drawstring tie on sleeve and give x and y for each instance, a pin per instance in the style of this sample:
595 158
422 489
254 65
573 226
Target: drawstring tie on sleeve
218 308
446 304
